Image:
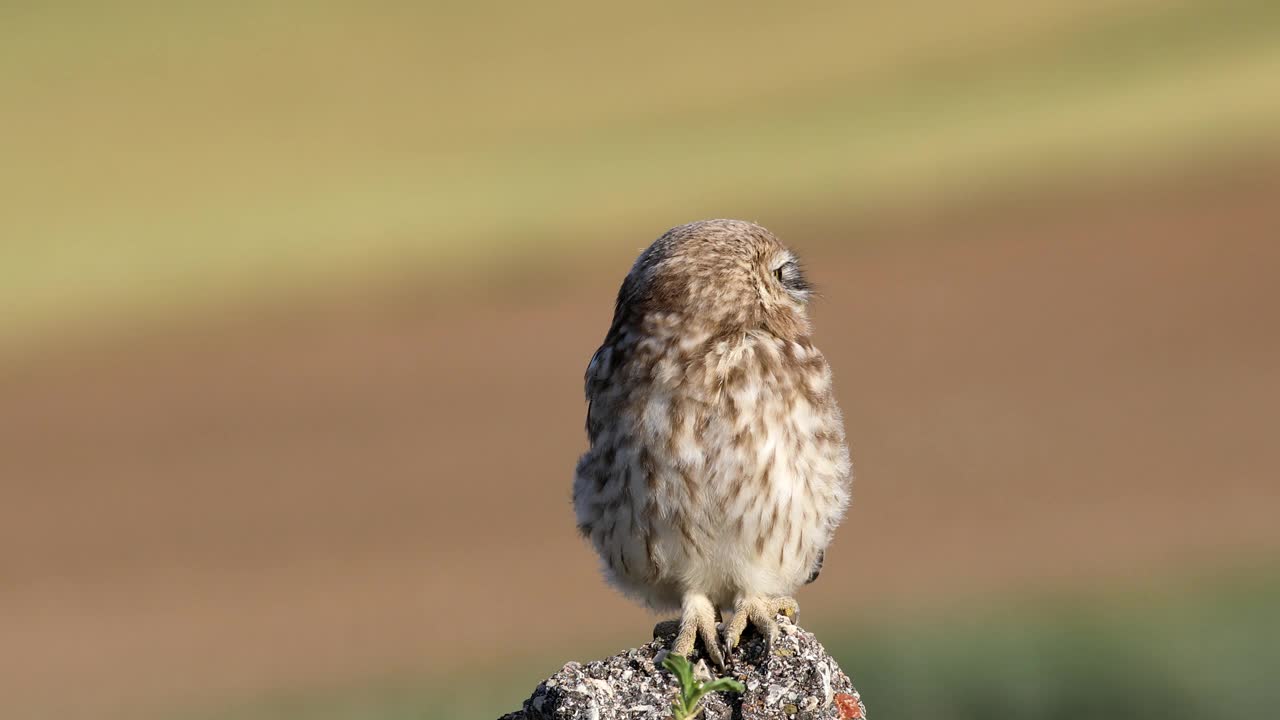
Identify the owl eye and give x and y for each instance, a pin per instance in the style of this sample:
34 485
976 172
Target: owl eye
790 277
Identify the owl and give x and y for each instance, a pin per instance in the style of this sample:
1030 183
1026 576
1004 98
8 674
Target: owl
717 470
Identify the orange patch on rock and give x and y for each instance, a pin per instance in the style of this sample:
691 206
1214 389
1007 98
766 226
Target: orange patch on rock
850 707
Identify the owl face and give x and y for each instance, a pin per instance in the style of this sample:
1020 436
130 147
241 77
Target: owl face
733 274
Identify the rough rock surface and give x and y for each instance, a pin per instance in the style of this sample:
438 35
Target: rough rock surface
798 681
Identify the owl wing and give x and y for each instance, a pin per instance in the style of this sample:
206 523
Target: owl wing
610 355
602 393
817 567
593 382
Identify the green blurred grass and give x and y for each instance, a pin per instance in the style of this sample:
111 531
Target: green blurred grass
159 156
1205 649
1206 652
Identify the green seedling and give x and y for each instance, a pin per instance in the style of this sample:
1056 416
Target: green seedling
691 690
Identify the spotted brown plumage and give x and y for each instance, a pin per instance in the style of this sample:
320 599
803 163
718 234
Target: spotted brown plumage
717 470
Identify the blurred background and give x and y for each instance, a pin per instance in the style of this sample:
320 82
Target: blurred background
295 301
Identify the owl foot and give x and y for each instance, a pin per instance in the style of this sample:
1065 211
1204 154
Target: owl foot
760 612
697 620
670 628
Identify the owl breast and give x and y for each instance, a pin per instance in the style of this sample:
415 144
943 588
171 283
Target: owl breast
722 471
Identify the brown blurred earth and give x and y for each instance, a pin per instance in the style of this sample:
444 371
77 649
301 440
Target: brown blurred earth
1079 390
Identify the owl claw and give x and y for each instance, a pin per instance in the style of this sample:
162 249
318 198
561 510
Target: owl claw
697 621
760 612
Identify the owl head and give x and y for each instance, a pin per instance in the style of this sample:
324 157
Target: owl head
732 274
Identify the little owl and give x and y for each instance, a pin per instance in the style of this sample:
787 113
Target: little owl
717 470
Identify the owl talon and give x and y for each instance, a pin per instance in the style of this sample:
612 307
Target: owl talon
788 607
697 621
760 613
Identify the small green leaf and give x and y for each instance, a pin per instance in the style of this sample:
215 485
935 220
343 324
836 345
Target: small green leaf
691 691
679 666
723 685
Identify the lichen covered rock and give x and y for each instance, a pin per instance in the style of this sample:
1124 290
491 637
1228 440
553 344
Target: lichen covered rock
797 681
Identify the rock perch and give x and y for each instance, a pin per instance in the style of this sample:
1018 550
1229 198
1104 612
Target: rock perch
799 681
